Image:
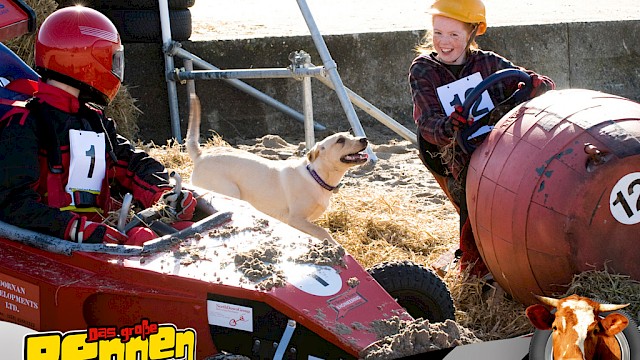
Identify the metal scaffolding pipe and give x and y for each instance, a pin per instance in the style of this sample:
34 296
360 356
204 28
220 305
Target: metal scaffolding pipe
375 112
266 73
244 87
327 74
301 59
331 67
309 135
172 92
191 84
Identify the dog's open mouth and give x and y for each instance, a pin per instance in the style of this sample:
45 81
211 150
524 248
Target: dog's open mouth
357 158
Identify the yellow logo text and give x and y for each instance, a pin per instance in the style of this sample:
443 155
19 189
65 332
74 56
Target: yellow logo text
164 343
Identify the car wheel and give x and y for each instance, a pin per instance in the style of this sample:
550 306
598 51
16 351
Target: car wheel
417 289
541 346
142 4
227 356
143 26
65 3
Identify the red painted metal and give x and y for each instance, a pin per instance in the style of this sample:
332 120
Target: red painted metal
86 289
16 18
542 201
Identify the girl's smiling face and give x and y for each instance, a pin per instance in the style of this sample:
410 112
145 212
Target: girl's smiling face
450 39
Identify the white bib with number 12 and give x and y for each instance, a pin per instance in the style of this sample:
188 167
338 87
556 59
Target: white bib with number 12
455 93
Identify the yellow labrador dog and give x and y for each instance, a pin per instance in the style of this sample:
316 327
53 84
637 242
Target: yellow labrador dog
295 191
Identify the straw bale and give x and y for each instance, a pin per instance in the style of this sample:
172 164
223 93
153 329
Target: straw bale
609 287
124 112
484 308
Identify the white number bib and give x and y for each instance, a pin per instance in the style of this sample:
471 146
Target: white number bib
624 201
455 93
88 164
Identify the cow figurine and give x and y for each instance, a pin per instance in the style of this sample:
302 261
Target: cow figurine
578 332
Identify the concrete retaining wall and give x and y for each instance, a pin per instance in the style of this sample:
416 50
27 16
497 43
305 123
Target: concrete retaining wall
602 56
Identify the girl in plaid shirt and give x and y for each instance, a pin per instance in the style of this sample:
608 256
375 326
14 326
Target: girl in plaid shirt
445 69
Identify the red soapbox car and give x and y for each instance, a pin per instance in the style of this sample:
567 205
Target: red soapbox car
236 281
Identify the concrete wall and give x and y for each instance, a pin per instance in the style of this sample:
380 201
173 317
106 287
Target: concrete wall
602 56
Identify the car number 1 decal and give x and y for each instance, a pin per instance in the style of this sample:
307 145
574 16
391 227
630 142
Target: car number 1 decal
313 279
624 201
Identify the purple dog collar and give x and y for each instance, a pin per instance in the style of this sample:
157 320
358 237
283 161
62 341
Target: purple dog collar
320 182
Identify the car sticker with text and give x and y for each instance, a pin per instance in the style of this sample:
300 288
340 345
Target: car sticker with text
143 341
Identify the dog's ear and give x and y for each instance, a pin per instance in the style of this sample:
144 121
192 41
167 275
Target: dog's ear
313 153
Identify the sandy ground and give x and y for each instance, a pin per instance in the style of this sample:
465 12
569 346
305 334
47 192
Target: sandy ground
398 168
260 18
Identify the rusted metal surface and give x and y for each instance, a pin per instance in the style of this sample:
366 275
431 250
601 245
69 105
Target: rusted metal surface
552 191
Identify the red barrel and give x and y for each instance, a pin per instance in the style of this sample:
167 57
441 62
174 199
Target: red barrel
554 190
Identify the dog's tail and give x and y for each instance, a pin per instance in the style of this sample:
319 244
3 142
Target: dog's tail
193 129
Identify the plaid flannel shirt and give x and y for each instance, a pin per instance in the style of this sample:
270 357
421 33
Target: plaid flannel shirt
426 74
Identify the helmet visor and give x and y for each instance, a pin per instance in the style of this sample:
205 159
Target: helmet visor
117 64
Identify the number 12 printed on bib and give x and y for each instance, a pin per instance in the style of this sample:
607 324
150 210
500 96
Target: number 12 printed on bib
455 93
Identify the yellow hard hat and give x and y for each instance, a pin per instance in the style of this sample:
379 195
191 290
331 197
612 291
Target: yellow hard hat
468 11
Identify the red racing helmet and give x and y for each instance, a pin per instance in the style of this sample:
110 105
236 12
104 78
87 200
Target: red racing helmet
81 47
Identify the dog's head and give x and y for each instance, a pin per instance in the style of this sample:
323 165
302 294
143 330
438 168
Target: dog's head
341 150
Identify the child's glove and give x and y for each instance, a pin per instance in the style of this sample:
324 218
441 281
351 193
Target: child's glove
80 230
457 121
183 203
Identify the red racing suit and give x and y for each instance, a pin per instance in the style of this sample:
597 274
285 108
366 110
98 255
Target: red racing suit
35 160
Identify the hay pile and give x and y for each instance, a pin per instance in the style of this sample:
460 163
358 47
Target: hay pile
124 112
484 308
605 286
174 156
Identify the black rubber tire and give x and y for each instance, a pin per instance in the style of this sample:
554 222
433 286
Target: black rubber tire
227 356
540 347
417 289
65 3
143 26
142 4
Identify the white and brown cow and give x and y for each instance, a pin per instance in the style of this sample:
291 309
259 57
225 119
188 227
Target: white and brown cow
578 331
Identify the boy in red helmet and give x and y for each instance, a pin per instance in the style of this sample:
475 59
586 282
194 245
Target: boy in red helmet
60 157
